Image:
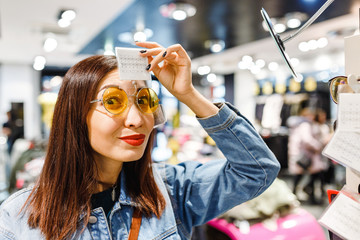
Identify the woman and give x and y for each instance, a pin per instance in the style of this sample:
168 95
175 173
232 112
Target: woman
98 179
305 146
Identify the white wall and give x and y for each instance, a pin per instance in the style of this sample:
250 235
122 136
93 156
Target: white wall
244 98
21 83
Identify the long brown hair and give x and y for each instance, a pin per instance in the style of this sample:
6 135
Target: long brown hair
68 179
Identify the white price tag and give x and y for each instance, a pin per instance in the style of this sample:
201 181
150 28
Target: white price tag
131 65
343 217
344 146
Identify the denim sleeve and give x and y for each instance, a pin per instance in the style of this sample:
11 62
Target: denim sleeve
201 192
5 233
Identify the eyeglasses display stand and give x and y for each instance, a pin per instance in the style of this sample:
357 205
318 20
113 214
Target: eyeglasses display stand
342 217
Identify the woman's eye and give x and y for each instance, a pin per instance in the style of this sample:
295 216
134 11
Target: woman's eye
143 100
111 101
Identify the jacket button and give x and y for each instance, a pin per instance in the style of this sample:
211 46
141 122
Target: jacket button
92 219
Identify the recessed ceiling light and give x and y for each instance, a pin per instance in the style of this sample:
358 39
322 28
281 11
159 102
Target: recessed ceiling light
140 36
293 23
50 44
203 70
65 17
63 23
215 45
177 10
279 28
68 15
39 63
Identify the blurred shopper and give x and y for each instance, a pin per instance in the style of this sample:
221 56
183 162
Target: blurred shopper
98 180
304 151
321 132
12 130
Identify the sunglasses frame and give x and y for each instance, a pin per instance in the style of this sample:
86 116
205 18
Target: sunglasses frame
137 91
331 82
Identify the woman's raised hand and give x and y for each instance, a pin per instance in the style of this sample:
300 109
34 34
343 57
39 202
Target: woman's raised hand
172 66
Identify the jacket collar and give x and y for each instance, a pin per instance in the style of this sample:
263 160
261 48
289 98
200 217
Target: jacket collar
124 197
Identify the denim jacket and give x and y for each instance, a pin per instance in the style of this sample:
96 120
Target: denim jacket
194 192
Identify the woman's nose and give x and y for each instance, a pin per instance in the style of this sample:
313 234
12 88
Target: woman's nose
134 117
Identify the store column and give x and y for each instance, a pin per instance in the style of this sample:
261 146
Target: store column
244 98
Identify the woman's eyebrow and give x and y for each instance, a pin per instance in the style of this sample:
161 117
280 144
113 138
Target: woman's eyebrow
109 85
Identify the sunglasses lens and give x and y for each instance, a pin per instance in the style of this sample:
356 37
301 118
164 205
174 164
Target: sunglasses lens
115 100
334 87
147 100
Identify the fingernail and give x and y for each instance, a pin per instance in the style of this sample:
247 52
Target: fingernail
143 51
148 67
164 54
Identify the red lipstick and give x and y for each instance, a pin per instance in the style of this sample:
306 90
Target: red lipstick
134 140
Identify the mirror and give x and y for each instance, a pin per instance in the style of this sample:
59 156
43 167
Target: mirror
280 42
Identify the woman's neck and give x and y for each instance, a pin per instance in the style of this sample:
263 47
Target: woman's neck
108 174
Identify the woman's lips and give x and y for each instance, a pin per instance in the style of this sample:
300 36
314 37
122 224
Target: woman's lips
134 140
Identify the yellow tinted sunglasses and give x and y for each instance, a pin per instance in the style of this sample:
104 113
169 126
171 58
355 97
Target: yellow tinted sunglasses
334 85
115 100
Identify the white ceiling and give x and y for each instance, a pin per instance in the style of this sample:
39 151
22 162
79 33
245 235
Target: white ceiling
25 23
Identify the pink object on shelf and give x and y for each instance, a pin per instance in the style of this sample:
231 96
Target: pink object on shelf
299 225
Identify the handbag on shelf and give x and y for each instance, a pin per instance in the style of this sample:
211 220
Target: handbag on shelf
304 161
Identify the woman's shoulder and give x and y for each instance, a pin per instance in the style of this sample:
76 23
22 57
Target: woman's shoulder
13 204
13 220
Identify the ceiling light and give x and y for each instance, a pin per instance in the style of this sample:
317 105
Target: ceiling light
293 23
65 17
211 78
63 23
39 63
50 44
273 66
304 46
247 58
294 19
322 42
203 70
215 46
279 28
179 15
56 81
260 63
255 70
140 36
290 20
313 44
68 15
242 65
177 10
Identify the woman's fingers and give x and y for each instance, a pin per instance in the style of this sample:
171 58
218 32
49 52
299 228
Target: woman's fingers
174 55
148 44
157 52
179 50
154 68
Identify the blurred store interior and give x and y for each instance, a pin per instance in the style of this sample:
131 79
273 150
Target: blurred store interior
234 59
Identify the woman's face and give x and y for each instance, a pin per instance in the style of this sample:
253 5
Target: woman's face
122 137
